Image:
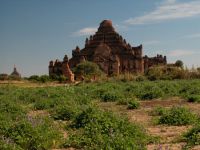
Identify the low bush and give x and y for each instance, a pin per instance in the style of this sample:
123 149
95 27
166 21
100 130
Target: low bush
7 144
4 76
42 78
44 104
110 96
192 137
11 110
193 98
33 134
103 130
168 73
149 93
34 78
178 116
140 78
133 104
64 112
87 70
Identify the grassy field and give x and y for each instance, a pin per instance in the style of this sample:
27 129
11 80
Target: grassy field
101 115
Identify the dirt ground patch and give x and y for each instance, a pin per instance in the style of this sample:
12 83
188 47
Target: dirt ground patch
175 146
195 107
162 102
168 134
35 113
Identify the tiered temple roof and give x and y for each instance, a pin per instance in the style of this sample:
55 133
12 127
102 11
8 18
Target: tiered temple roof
111 52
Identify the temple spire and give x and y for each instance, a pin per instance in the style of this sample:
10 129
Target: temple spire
15 69
15 72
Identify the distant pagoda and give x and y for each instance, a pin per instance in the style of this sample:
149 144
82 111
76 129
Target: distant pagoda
15 73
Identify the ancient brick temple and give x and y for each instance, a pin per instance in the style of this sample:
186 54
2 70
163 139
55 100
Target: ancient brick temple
111 52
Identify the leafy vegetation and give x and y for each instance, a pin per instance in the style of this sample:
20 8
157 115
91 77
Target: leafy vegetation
109 96
177 116
87 125
64 112
103 130
171 72
46 78
19 130
133 104
179 63
193 98
87 70
192 137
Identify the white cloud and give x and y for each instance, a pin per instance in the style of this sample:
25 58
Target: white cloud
193 36
86 31
169 10
179 52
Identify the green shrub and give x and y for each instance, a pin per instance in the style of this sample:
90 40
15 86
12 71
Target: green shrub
33 134
62 79
140 78
151 93
178 116
110 96
87 69
4 76
169 89
133 104
44 104
64 112
34 78
84 117
154 73
44 78
10 109
167 73
179 63
7 144
103 130
193 98
192 137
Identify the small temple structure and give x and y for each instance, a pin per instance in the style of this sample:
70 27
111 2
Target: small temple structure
110 51
15 73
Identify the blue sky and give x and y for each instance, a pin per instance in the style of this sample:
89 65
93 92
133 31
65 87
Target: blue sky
33 32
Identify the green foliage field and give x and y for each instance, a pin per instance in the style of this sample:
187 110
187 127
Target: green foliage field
178 116
74 109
